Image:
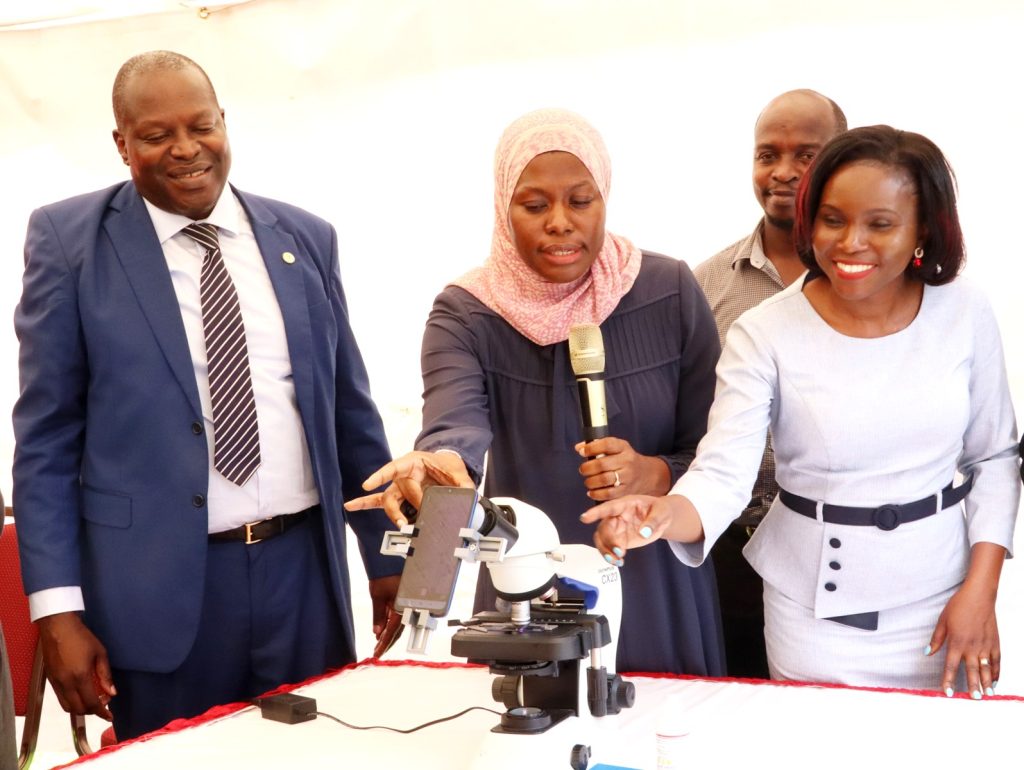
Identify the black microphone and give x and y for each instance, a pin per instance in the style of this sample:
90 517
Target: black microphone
586 354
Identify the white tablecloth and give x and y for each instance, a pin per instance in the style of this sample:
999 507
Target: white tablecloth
731 724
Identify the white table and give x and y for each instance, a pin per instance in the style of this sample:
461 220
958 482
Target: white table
732 723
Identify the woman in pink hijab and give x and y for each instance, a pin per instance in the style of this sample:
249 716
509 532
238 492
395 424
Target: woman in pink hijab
498 381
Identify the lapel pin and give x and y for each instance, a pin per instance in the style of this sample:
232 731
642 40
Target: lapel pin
288 257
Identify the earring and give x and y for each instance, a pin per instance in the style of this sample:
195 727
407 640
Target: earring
918 256
938 269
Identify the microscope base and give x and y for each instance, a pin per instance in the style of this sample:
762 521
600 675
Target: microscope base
529 720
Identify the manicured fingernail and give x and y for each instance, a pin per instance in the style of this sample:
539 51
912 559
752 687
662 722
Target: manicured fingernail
646 532
989 691
975 694
608 558
949 692
927 650
619 563
995 683
618 551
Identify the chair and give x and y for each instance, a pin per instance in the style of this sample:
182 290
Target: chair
25 654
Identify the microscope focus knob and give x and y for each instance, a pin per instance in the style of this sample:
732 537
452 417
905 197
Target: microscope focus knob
580 757
507 691
621 694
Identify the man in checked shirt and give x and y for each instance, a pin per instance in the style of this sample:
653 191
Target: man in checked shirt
788 134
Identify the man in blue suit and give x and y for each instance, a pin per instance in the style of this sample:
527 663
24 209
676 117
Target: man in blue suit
163 585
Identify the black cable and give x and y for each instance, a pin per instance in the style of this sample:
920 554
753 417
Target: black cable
411 729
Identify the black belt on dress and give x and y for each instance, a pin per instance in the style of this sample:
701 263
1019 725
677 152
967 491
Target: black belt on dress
886 517
265 529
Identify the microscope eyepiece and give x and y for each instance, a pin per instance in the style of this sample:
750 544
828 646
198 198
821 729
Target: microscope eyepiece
499 521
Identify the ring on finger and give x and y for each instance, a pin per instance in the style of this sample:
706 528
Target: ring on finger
983 661
618 481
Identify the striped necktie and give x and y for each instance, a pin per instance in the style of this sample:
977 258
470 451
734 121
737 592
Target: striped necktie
236 440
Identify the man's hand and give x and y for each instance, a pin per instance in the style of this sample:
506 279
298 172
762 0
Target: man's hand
387 622
76 665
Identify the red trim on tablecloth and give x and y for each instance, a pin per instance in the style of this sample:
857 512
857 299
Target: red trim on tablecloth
230 708
220 711
819 685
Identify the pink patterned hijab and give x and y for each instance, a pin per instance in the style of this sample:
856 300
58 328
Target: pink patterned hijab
540 310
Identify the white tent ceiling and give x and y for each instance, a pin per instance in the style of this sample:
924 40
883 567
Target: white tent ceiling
51 13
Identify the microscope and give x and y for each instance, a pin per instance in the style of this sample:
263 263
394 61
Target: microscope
534 641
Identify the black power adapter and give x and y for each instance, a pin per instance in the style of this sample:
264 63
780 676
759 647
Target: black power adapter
288 708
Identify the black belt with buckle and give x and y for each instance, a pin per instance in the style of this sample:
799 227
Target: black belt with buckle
265 529
885 517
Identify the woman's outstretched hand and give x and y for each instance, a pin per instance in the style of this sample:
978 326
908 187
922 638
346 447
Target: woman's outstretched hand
637 520
408 475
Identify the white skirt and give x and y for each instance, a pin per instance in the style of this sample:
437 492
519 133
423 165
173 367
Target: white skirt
804 648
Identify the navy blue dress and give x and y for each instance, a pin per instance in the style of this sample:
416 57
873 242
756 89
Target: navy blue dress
489 388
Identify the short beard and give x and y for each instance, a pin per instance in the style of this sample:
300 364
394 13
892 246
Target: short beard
781 224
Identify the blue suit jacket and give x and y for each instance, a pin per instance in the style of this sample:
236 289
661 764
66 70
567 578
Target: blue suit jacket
110 479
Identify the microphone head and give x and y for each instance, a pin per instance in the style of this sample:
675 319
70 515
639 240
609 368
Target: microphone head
586 349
